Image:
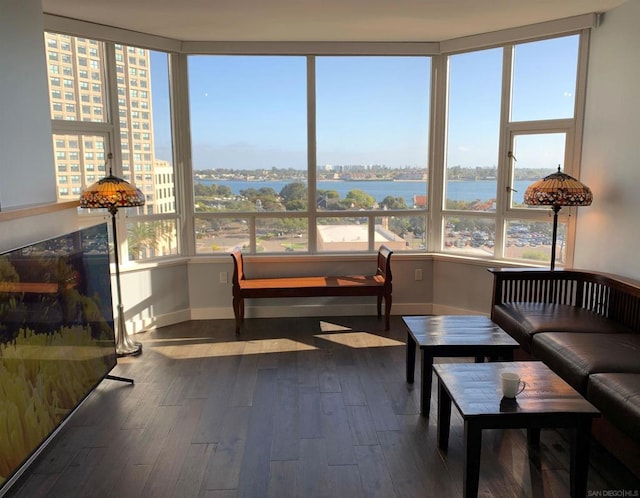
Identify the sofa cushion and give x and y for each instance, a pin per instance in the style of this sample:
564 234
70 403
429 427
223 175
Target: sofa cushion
617 396
524 320
573 356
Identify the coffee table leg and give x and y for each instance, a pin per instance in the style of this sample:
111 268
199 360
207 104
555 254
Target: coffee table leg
444 417
472 447
533 437
580 457
411 357
426 372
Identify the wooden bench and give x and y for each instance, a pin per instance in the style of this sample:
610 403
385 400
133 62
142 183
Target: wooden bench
377 284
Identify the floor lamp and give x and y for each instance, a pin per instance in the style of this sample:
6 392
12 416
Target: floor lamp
112 193
556 190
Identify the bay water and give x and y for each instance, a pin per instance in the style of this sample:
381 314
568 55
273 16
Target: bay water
456 190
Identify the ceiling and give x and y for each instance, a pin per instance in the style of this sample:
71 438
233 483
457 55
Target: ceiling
320 20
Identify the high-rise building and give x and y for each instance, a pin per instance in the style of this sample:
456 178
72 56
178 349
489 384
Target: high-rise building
76 69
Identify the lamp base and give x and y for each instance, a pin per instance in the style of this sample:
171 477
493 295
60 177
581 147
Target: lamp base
125 346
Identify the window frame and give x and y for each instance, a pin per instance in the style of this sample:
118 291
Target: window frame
434 215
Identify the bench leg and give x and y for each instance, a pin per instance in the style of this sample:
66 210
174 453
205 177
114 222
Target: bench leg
387 312
238 312
379 305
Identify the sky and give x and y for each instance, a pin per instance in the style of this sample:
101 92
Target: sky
250 112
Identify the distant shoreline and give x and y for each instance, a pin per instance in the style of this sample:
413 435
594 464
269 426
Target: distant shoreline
457 190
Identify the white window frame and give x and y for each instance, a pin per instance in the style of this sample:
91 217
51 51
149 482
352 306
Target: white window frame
177 69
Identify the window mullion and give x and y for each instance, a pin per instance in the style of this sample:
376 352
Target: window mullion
179 91
311 154
438 127
504 157
111 93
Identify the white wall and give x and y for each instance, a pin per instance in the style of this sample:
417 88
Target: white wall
608 232
26 149
462 286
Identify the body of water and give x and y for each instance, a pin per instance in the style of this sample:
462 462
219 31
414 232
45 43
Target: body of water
457 191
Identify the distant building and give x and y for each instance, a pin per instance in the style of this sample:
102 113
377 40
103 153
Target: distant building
419 201
355 238
77 92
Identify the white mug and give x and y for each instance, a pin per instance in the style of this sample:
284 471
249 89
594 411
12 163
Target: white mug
511 384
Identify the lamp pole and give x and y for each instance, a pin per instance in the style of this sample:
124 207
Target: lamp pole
124 345
554 238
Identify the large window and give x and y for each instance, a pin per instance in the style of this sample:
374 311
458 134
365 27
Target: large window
251 122
323 153
84 134
152 229
510 122
473 138
249 150
372 148
541 139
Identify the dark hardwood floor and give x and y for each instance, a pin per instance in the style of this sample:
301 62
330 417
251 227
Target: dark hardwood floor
304 407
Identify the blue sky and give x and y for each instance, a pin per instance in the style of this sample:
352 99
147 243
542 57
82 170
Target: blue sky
250 112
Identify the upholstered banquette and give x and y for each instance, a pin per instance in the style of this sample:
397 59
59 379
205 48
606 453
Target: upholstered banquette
585 326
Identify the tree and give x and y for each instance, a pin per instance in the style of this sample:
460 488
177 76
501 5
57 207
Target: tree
391 202
294 196
328 199
139 237
359 199
263 194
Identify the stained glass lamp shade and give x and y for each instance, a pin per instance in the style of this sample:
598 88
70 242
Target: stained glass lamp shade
556 190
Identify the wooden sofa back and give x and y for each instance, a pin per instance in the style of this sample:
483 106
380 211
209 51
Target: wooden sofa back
604 294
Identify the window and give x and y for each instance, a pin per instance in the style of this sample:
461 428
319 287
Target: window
350 174
259 101
372 149
73 74
276 171
478 219
544 79
158 237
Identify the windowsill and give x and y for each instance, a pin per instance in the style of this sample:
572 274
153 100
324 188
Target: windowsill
134 266
36 209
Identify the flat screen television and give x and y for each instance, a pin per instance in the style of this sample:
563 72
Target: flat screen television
57 340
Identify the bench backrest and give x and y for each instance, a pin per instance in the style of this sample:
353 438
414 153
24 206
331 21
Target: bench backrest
384 263
383 268
600 293
238 267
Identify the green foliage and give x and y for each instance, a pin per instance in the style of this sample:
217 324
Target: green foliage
359 199
294 196
200 190
391 202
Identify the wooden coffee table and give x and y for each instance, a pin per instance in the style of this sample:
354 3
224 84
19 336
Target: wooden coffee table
452 336
547 402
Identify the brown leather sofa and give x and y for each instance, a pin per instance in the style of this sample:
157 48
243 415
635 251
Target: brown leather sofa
586 327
